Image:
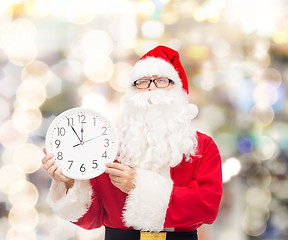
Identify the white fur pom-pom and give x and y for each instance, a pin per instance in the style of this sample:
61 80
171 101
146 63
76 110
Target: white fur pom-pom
193 110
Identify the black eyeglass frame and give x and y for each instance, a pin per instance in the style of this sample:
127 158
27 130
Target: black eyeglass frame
152 80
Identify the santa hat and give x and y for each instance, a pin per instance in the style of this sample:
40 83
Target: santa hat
161 61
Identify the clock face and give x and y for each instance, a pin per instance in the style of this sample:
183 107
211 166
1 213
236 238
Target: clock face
82 141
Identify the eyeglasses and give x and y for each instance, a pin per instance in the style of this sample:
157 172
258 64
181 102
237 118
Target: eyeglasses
161 82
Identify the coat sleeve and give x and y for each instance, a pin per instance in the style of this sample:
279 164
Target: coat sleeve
93 217
198 202
79 205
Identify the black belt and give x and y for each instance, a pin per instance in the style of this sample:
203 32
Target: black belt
129 234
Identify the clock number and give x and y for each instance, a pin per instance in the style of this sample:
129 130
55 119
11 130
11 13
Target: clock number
95 164
82 168
81 118
106 142
71 162
59 155
57 142
61 131
70 121
94 119
105 129
104 154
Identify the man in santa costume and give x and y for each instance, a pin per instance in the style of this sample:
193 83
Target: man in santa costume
167 179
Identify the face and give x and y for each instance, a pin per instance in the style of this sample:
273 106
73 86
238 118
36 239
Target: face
152 85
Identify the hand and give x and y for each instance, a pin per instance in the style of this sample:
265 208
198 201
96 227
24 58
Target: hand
121 176
54 171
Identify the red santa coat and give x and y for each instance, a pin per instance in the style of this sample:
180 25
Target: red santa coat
185 200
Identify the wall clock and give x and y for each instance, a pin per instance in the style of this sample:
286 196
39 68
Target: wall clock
82 141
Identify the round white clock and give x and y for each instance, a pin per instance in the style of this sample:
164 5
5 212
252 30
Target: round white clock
82 141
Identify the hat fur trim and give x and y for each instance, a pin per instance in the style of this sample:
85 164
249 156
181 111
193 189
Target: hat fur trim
154 66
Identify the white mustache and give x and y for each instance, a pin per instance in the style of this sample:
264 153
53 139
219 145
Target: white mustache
148 98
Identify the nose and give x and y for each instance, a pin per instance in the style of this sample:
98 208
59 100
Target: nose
152 86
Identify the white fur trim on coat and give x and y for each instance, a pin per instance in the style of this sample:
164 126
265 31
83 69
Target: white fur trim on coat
147 203
74 204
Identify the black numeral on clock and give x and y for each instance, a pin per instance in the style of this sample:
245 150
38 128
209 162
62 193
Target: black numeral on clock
59 155
61 131
57 143
105 130
82 168
70 122
106 143
94 164
104 154
71 163
82 118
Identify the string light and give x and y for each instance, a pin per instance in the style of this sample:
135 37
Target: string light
23 193
27 157
31 94
23 215
10 175
119 79
98 68
230 168
10 136
37 70
27 120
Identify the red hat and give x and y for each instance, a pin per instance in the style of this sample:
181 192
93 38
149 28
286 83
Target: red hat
161 61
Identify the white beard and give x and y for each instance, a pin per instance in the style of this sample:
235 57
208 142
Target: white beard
156 129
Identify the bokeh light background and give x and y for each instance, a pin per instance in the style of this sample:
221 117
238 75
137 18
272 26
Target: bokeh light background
59 54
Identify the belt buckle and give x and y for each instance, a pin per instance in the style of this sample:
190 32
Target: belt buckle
153 236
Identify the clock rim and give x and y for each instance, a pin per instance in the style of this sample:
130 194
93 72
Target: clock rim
64 113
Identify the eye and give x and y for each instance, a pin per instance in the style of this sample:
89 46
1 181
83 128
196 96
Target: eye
142 82
162 80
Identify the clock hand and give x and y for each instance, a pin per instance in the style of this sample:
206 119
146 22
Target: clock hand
92 138
81 143
76 133
82 133
78 144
